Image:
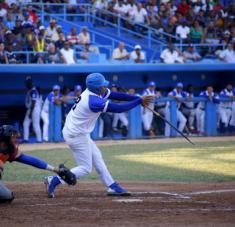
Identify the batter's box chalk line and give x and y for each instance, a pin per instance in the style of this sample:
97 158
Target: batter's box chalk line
128 200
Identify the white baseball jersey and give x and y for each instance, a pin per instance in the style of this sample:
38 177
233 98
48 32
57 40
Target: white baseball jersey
226 94
33 95
148 92
50 99
84 114
201 105
177 94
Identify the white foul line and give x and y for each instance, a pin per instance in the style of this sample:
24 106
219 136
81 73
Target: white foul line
210 192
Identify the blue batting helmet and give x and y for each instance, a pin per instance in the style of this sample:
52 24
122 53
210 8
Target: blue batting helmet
152 83
95 81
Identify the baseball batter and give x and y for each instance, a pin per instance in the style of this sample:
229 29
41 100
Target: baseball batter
9 152
33 103
81 121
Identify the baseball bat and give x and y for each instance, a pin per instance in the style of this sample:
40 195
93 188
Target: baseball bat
169 123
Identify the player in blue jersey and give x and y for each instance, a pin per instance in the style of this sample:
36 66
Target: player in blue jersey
81 121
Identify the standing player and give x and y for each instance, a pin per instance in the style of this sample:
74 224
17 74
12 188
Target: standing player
9 152
81 121
176 94
53 97
200 111
232 121
225 108
147 115
33 103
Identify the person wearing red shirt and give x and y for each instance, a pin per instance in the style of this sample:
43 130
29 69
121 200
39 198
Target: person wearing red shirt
183 7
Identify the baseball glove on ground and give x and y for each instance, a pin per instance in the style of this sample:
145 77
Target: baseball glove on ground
67 175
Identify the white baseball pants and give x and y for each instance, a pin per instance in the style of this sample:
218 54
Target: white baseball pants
119 116
181 120
191 114
225 115
86 155
45 128
232 121
200 115
147 118
36 124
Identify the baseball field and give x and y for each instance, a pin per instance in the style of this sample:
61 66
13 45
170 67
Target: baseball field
173 184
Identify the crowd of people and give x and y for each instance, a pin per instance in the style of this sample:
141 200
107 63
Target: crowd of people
190 114
193 21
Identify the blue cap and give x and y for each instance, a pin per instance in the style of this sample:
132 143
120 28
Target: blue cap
26 14
179 85
95 81
56 87
152 83
77 88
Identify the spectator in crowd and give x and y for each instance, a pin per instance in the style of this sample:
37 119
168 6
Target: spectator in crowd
183 31
73 37
3 12
183 7
42 31
59 44
196 32
17 29
53 97
228 55
39 48
137 55
225 108
3 54
27 20
176 94
120 8
52 56
52 31
200 111
189 110
67 54
120 53
84 36
12 57
33 103
139 17
210 34
100 6
147 115
88 49
171 55
191 55
9 22
32 14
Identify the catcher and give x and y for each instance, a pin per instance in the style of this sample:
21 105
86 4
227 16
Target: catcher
9 152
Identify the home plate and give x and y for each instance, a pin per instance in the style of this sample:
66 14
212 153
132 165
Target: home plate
128 200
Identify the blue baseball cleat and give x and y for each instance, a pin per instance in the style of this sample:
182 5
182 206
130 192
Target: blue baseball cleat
51 182
116 190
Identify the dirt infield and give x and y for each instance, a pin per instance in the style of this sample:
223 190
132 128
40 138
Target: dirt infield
152 204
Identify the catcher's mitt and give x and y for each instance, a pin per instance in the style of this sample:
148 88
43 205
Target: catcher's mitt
67 175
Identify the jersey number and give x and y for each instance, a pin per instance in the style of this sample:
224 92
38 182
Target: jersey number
76 102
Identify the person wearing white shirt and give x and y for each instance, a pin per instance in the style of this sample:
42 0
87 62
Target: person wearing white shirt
182 31
225 108
120 53
228 55
67 54
139 16
84 36
171 55
137 55
120 8
190 55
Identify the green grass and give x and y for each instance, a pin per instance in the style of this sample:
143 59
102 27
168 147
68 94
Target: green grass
206 162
